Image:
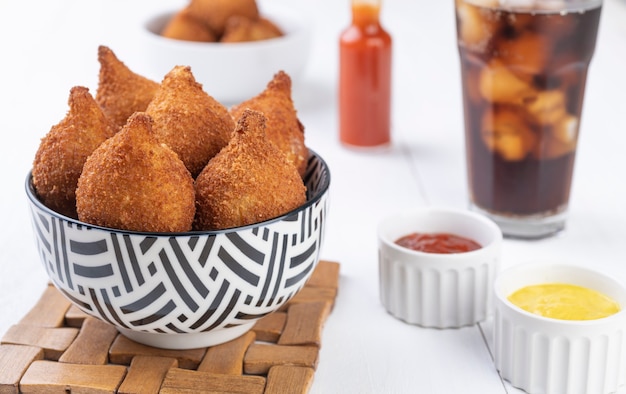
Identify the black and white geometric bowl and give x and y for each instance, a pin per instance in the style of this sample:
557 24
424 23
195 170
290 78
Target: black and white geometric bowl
184 290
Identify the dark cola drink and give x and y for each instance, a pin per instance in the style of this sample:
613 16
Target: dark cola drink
524 67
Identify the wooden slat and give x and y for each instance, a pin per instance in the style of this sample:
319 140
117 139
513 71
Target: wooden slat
289 379
261 357
179 381
14 361
305 322
312 294
146 374
50 377
74 317
326 274
123 350
269 328
227 358
49 311
54 341
91 346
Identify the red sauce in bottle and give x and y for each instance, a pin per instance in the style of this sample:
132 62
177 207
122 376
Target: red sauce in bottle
438 243
365 78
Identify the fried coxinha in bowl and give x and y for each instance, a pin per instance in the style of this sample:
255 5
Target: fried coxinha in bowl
224 21
177 220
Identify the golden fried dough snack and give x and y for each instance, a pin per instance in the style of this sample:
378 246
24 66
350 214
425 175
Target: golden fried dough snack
188 120
249 181
132 182
215 13
184 26
242 29
121 92
63 151
283 126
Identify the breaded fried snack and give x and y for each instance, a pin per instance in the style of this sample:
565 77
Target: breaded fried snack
133 182
184 26
215 13
249 181
63 151
188 120
283 126
242 29
121 92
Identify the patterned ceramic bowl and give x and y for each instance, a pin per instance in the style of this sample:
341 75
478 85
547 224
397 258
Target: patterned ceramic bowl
184 290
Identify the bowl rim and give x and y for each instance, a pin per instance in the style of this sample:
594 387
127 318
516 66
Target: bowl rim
314 199
437 210
502 298
275 15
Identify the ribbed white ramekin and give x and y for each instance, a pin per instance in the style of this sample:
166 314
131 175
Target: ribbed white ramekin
544 355
438 290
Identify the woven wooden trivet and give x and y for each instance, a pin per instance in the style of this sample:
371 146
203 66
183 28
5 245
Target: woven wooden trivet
57 348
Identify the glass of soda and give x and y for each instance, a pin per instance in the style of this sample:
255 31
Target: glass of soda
524 65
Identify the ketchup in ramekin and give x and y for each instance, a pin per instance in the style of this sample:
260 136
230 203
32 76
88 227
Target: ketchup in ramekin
437 243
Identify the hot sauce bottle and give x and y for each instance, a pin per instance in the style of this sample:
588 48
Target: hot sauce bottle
365 78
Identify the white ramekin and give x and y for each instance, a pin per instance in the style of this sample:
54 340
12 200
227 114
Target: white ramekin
438 290
545 355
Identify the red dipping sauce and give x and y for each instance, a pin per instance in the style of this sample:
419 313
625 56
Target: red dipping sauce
437 243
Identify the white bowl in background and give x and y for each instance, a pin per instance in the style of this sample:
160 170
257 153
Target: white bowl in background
231 72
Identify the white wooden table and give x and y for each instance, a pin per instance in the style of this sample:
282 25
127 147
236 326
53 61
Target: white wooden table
46 47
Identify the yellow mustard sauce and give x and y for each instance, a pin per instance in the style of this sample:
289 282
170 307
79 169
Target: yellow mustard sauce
564 301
